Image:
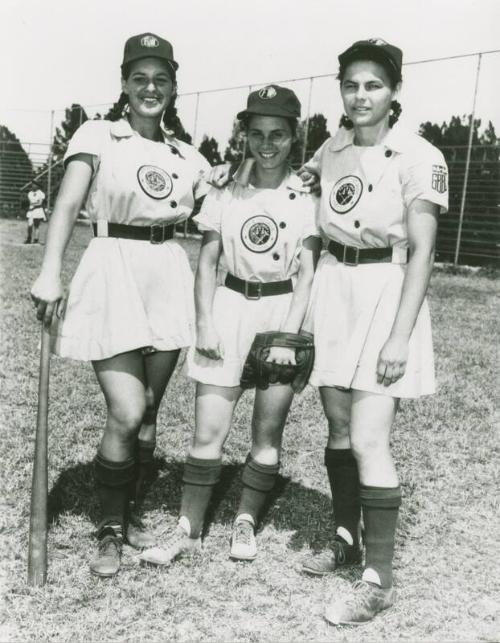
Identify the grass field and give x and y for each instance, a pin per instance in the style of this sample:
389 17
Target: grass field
447 568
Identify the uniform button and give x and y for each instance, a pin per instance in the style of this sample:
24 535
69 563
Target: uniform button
388 153
173 204
282 224
276 256
357 224
292 196
370 187
175 176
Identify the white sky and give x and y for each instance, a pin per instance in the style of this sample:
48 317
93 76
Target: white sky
57 52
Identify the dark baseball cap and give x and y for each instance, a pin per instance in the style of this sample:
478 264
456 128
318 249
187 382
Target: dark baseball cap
272 100
148 45
374 47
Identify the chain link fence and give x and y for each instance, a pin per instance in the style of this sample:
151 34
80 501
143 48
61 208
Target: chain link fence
468 234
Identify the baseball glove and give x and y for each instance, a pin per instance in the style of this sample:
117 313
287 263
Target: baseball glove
260 373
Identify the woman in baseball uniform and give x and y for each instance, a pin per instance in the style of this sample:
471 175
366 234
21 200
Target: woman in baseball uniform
383 189
130 307
35 214
264 232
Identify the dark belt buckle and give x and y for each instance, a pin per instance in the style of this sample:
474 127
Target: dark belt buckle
154 238
249 286
350 256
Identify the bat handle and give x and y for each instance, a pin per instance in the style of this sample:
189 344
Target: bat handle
37 548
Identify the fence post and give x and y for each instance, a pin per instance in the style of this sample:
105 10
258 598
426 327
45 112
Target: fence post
49 172
306 128
467 165
195 127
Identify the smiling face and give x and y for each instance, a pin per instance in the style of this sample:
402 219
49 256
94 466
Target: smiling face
270 140
367 93
149 87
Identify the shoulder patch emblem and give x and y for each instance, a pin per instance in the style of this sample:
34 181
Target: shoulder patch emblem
259 233
154 181
346 193
267 92
439 176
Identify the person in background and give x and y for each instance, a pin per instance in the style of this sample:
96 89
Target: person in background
35 213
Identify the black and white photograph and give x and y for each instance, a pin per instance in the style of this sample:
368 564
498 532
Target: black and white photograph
249 302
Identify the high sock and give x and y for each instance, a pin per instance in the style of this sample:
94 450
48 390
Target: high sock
380 514
343 475
258 480
144 464
200 476
113 483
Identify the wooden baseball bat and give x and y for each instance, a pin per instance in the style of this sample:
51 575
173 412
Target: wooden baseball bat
37 548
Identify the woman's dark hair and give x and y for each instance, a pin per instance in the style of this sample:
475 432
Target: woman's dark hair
296 149
394 78
170 119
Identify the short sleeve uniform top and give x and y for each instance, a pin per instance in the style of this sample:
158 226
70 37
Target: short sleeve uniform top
35 198
137 181
129 294
262 233
366 193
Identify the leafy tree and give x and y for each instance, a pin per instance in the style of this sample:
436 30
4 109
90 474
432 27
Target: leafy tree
481 229
210 150
74 116
236 145
317 133
16 170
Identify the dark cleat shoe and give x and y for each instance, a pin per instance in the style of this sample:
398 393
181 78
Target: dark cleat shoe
365 602
137 535
107 561
327 562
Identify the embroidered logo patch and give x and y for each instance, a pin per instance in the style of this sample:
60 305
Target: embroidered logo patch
267 93
345 194
155 182
149 41
259 233
439 176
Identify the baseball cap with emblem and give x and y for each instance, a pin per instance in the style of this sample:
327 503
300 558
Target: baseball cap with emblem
374 46
148 45
272 100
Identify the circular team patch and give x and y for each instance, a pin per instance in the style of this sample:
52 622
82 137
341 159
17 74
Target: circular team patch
155 182
346 193
259 233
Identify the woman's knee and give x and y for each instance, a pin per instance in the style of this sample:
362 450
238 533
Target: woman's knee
126 419
368 445
209 434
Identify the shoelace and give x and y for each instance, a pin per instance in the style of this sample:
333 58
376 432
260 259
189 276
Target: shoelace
361 592
339 552
243 532
109 544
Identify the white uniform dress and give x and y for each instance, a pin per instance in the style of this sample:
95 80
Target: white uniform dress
366 192
262 233
126 293
35 210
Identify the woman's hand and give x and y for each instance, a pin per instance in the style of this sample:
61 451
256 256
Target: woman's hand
281 355
392 360
310 180
219 175
47 295
208 342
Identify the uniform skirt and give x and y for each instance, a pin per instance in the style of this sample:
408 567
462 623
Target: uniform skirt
351 313
126 295
36 213
237 320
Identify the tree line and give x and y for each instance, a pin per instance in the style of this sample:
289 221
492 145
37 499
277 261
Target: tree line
483 196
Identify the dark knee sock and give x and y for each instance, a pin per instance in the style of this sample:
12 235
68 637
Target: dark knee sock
258 480
144 466
343 475
113 481
200 476
380 514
